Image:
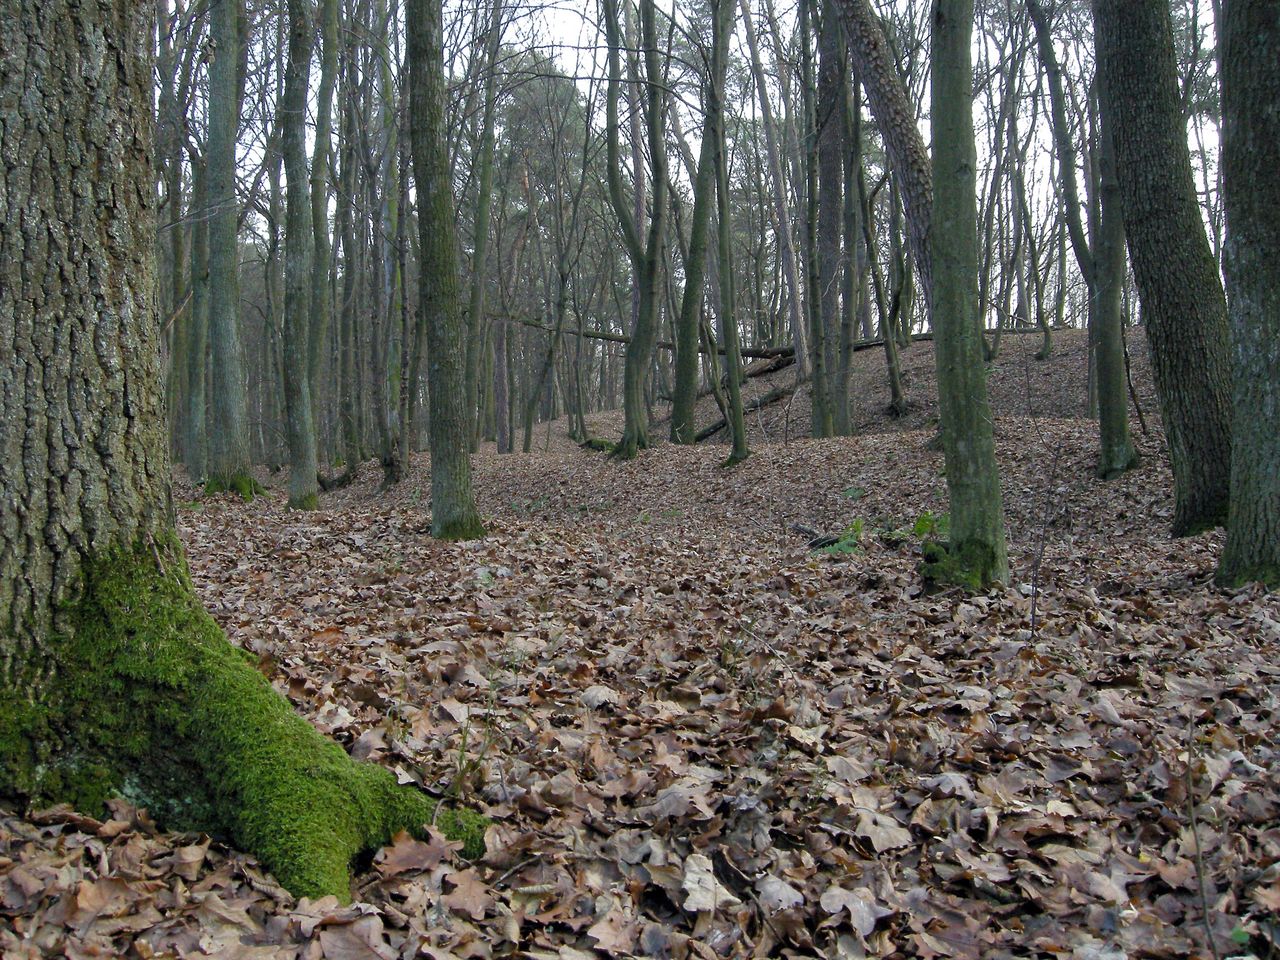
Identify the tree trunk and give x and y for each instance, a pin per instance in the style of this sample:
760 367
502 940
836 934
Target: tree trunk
228 436
685 394
722 12
298 240
1251 159
831 128
193 420
484 203
321 170
976 553
453 508
1102 265
112 675
646 255
1183 308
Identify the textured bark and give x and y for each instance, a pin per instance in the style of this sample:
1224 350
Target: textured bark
1183 307
1251 159
976 554
891 106
298 240
228 435
453 508
112 676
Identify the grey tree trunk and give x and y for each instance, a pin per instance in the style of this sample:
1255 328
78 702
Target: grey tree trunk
646 256
722 12
685 393
976 554
228 436
111 672
831 113
1251 159
196 359
1102 265
299 234
484 203
1183 308
453 509
321 169
780 209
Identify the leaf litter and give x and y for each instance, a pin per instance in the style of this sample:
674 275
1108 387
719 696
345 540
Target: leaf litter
699 738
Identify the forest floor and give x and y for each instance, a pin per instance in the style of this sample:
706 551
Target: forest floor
699 737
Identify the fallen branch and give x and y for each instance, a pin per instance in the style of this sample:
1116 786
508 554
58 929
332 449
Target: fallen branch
773 396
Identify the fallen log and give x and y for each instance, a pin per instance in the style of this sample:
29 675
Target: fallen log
759 403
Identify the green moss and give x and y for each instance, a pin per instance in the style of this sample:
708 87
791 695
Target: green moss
152 702
461 528
241 484
598 444
310 501
971 565
1265 574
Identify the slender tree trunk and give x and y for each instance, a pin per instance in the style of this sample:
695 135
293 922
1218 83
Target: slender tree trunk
228 435
1251 159
453 509
831 129
299 236
321 304
976 554
781 209
484 203
1102 265
1183 307
685 394
193 420
722 13
645 255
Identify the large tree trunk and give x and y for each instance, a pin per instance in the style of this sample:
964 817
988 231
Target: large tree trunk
1183 308
228 435
1251 159
976 553
112 676
453 507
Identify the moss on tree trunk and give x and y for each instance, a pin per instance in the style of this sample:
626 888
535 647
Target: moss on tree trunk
147 699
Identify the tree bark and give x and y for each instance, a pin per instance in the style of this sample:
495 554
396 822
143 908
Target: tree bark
1251 159
1183 307
453 509
228 436
1102 264
113 678
975 555
298 241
